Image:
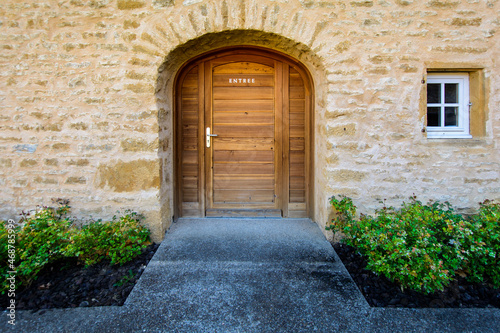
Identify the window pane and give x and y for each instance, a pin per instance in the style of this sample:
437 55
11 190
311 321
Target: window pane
450 116
451 93
433 116
434 93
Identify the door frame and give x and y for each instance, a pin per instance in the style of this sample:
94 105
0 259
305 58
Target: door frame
203 109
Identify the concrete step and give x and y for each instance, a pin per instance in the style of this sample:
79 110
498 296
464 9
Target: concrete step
236 266
236 239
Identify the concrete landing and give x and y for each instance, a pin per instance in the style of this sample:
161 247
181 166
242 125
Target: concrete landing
249 275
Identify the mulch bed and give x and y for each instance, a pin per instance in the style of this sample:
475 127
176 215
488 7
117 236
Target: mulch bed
380 292
67 284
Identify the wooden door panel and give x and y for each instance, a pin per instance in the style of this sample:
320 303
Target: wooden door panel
243 156
244 131
189 162
244 117
190 118
297 146
190 182
190 157
190 93
189 143
235 68
297 92
189 170
240 169
297 182
243 144
243 105
297 106
243 93
297 131
189 105
243 197
297 118
296 169
191 79
296 79
190 194
297 157
244 152
297 195
245 80
244 183
190 130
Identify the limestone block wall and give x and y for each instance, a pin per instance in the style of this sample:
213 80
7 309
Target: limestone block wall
86 96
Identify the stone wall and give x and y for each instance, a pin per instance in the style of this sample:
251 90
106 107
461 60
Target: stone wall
86 96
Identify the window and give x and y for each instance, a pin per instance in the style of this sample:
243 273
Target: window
448 105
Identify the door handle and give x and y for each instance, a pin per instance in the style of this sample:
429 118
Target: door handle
208 136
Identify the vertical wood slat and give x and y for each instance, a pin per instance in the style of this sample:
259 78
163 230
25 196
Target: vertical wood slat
278 135
309 143
297 132
189 165
286 141
201 138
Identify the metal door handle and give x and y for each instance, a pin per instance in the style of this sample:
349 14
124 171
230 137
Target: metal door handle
209 136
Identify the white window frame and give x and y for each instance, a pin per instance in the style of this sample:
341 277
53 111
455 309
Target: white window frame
461 131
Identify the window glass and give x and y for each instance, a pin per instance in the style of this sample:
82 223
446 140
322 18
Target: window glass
433 116
451 93
450 116
434 93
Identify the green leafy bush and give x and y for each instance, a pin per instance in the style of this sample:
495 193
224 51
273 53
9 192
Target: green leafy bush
119 240
42 240
484 262
422 246
49 235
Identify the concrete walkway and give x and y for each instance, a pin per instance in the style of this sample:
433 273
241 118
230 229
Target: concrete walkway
249 275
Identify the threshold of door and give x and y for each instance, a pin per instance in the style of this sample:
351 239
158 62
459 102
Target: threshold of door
243 213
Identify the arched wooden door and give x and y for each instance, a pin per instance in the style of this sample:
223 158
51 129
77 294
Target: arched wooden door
243 136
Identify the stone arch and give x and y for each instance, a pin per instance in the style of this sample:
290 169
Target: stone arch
181 54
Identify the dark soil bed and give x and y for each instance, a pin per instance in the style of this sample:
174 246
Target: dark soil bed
67 284
380 292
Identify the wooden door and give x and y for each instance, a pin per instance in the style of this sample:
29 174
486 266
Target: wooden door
244 111
259 162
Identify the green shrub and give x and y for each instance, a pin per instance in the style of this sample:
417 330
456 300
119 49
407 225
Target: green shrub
119 240
484 262
49 235
128 238
421 246
42 240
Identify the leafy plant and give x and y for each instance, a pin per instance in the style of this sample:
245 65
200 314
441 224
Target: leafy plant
484 248
49 234
125 279
422 246
120 240
42 240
